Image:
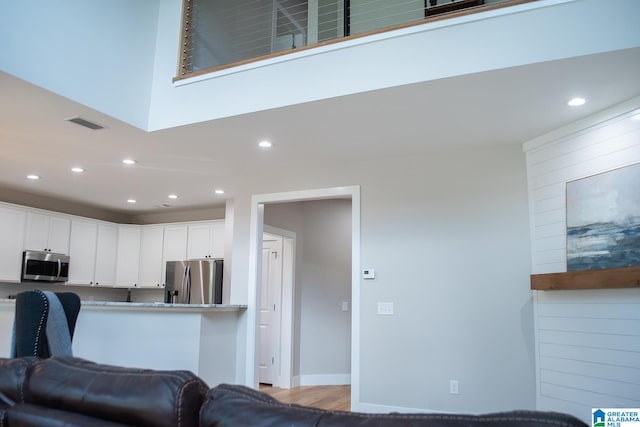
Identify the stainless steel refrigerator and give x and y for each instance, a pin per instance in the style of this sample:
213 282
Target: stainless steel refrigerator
194 281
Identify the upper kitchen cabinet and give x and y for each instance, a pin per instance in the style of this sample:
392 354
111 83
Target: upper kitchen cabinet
151 249
47 233
106 247
82 252
12 223
174 246
175 243
128 255
206 240
92 253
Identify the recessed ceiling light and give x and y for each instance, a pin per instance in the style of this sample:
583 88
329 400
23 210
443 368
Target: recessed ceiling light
77 170
264 144
131 200
575 102
173 196
129 162
219 191
33 177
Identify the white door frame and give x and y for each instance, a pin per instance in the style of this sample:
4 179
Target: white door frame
255 261
285 362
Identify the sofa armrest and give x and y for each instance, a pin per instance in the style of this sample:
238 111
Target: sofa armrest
233 405
12 379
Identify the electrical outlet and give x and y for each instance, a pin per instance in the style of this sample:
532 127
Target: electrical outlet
345 305
385 308
454 387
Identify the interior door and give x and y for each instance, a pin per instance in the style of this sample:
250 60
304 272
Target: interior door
270 309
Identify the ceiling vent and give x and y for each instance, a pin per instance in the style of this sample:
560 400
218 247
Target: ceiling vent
86 123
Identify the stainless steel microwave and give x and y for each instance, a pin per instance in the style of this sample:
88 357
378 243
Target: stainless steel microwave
38 266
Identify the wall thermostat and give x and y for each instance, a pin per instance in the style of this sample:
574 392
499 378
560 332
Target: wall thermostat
368 273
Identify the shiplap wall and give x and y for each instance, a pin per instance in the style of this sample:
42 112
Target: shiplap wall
587 341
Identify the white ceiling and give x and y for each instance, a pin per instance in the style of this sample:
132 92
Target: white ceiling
508 106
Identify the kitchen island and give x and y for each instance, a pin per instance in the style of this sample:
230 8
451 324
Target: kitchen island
202 338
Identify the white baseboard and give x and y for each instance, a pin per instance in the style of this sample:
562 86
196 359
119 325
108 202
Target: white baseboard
329 379
374 408
295 381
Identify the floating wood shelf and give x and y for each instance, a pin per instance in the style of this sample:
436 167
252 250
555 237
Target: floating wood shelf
610 278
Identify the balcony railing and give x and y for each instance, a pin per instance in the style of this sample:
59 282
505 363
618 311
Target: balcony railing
218 34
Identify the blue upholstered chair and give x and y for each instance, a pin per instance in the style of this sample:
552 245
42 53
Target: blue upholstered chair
44 328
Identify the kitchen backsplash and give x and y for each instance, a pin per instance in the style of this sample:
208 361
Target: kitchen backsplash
93 293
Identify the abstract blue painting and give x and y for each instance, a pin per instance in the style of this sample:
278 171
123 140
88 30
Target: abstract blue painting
603 220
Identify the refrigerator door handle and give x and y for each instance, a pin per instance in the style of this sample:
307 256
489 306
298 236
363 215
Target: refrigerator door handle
186 285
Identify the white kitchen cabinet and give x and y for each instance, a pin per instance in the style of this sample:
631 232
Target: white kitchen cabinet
174 247
12 226
206 240
106 250
128 255
175 243
151 249
82 252
47 233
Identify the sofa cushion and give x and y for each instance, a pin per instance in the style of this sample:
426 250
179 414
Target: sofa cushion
232 406
139 397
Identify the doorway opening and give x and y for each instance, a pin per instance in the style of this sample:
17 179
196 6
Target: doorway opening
257 229
276 307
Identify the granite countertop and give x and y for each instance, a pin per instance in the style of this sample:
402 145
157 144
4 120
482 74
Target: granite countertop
194 307
156 305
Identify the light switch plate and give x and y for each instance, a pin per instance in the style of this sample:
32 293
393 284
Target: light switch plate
385 308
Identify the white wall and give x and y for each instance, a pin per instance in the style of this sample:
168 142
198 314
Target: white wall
487 41
120 57
447 234
587 341
99 53
323 281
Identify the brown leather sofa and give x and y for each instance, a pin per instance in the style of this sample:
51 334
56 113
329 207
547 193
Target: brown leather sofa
71 392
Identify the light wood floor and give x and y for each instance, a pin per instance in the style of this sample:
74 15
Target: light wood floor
332 397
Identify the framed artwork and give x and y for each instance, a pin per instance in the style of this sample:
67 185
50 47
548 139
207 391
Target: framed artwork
603 220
